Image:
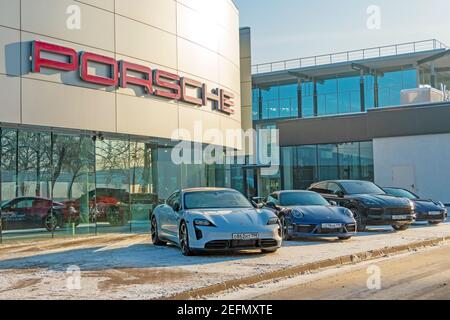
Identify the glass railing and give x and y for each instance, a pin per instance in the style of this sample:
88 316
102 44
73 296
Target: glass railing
355 55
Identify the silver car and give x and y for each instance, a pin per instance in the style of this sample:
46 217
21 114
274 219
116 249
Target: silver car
210 219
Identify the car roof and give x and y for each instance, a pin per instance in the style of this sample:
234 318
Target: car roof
207 189
292 191
30 198
340 181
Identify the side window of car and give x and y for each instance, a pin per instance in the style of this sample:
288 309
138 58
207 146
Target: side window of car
320 188
24 204
177 202
171 200
174 200
334 188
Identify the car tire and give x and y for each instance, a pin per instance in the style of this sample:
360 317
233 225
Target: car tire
435 223
285 229
50 222
344 238
154 233
361 225
269 250
184 240
401 228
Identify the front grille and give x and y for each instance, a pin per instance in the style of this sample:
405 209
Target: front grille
268 243
398 211
244 243
217 245
305 229
330 231
237 244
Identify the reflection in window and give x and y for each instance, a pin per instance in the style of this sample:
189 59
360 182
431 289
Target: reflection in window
349 158
304 165
392 83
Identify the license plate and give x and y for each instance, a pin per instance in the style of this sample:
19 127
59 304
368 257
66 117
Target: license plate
245 236
435 213
331 225
399 217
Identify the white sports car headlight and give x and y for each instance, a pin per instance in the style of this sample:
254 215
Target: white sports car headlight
203 223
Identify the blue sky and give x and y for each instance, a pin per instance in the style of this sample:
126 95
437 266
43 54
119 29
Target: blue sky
285 29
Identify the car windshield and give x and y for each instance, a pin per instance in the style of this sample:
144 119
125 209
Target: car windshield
401 193
361 187
289 199
223 199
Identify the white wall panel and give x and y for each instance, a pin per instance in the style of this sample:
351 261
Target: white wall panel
428 157
141 41
157 13
9 99
49 17
10 13
56 105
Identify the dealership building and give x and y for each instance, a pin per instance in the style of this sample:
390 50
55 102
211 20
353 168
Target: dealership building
379 114
91 94
93 91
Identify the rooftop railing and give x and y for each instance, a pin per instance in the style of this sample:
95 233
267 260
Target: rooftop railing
355 55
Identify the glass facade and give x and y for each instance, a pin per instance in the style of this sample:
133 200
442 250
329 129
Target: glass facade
58 185
332 95
305 165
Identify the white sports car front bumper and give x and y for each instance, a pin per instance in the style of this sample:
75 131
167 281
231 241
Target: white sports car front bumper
224 239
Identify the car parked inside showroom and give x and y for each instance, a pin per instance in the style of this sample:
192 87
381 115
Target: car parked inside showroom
36 212
433 212
370 204
105 205
211 219
305 214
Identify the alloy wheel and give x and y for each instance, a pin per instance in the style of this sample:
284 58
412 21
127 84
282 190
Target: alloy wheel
50 223
184 240
154 230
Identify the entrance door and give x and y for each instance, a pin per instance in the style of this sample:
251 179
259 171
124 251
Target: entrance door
404 177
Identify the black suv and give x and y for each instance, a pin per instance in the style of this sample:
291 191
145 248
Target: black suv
369 203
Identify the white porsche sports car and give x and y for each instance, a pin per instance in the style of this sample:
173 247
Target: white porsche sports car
210 219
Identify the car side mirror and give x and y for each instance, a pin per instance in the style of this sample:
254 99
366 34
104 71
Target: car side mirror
333 203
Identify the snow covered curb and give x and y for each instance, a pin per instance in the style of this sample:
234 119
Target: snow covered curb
308 268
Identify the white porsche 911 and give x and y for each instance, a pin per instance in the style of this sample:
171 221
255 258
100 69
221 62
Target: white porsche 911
210 219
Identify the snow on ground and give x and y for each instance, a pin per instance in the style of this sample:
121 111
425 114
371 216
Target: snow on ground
130 267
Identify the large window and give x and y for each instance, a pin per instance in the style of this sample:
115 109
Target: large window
337 94
63 185
305 165
279 101
392 83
